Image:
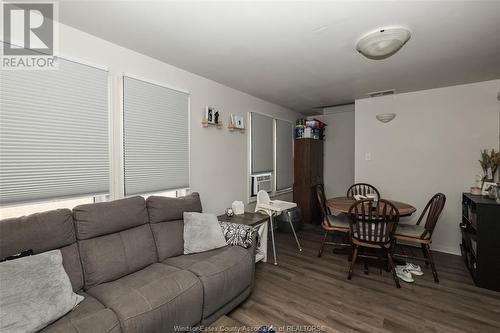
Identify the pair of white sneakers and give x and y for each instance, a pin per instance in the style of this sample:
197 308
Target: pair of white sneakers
406 272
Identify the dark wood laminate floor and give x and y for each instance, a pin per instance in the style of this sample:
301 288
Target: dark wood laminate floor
306 290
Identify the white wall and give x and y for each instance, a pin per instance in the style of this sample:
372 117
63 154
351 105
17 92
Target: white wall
218 157
431 146
338 168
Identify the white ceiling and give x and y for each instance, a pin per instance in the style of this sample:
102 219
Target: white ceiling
301 54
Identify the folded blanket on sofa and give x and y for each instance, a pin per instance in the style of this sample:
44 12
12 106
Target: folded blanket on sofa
238 234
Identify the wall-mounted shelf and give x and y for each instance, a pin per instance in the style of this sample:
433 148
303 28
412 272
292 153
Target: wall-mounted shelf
231 128
205 123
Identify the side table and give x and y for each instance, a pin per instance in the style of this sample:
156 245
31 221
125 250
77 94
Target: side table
257 220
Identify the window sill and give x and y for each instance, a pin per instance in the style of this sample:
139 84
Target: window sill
272 194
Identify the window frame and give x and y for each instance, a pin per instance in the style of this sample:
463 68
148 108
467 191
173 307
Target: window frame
274 191
97 197
110 112
115 110
120 167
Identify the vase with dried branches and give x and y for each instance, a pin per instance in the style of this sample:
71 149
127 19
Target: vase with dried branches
490 161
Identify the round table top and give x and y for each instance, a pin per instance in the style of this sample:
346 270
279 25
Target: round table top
342 204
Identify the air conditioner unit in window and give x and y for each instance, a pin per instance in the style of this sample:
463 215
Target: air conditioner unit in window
262 181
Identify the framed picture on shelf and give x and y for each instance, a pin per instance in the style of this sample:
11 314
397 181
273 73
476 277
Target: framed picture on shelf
238 122
212 115
486 187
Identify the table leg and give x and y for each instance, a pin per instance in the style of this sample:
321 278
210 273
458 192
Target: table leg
263 230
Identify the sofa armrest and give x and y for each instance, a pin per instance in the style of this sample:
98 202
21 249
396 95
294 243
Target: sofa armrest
253 251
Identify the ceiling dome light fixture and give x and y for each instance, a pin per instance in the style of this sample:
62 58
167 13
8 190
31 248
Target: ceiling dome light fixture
383 43
385 117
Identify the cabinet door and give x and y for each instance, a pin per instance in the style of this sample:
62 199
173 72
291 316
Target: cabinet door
316 162
302 153
302 197
308 171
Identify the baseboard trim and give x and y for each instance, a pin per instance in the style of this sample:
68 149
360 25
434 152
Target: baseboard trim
448 250
437 248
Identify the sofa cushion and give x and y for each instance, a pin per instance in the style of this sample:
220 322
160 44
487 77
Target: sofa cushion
34 291
169 238
72 265
411 230
43 232
166 217
161 209
338 221
110 257
104 218
153 299
224 273
90 316
202 232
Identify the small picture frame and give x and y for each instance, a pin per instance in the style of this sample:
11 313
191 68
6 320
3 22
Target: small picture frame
239 122
210 113
486 187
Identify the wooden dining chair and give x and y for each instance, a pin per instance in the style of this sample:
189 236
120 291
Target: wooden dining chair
372 225
418 234
362 189
329 222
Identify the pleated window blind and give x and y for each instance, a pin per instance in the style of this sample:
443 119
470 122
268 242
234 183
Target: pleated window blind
284 154
54 139
262 143
156 137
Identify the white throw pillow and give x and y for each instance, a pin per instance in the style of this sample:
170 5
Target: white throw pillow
202 232
34 291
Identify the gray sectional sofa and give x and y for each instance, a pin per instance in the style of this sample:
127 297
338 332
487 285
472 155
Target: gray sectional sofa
126 257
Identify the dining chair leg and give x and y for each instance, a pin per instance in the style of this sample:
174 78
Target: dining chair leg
365 264
322 247
426 257
353 262
391 264
347 238
387 266
431 260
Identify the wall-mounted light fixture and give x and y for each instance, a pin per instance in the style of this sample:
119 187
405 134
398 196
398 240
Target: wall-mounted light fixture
385 117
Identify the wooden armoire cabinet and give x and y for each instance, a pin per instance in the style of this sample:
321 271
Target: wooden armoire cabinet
308 171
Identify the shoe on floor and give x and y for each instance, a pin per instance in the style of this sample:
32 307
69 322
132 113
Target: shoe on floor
414 269
404 274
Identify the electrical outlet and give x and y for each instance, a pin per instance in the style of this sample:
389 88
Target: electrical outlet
368 156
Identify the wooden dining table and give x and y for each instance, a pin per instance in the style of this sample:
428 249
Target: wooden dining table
342 204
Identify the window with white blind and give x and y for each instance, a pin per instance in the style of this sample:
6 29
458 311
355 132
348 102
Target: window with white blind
284 154
262 143
54 133
155 137
271 144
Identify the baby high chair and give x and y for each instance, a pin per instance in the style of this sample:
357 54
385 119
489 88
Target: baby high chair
274 208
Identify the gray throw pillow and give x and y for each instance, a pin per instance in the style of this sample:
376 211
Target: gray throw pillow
202 232
34 291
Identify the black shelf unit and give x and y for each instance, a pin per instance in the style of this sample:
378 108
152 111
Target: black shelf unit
480 246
